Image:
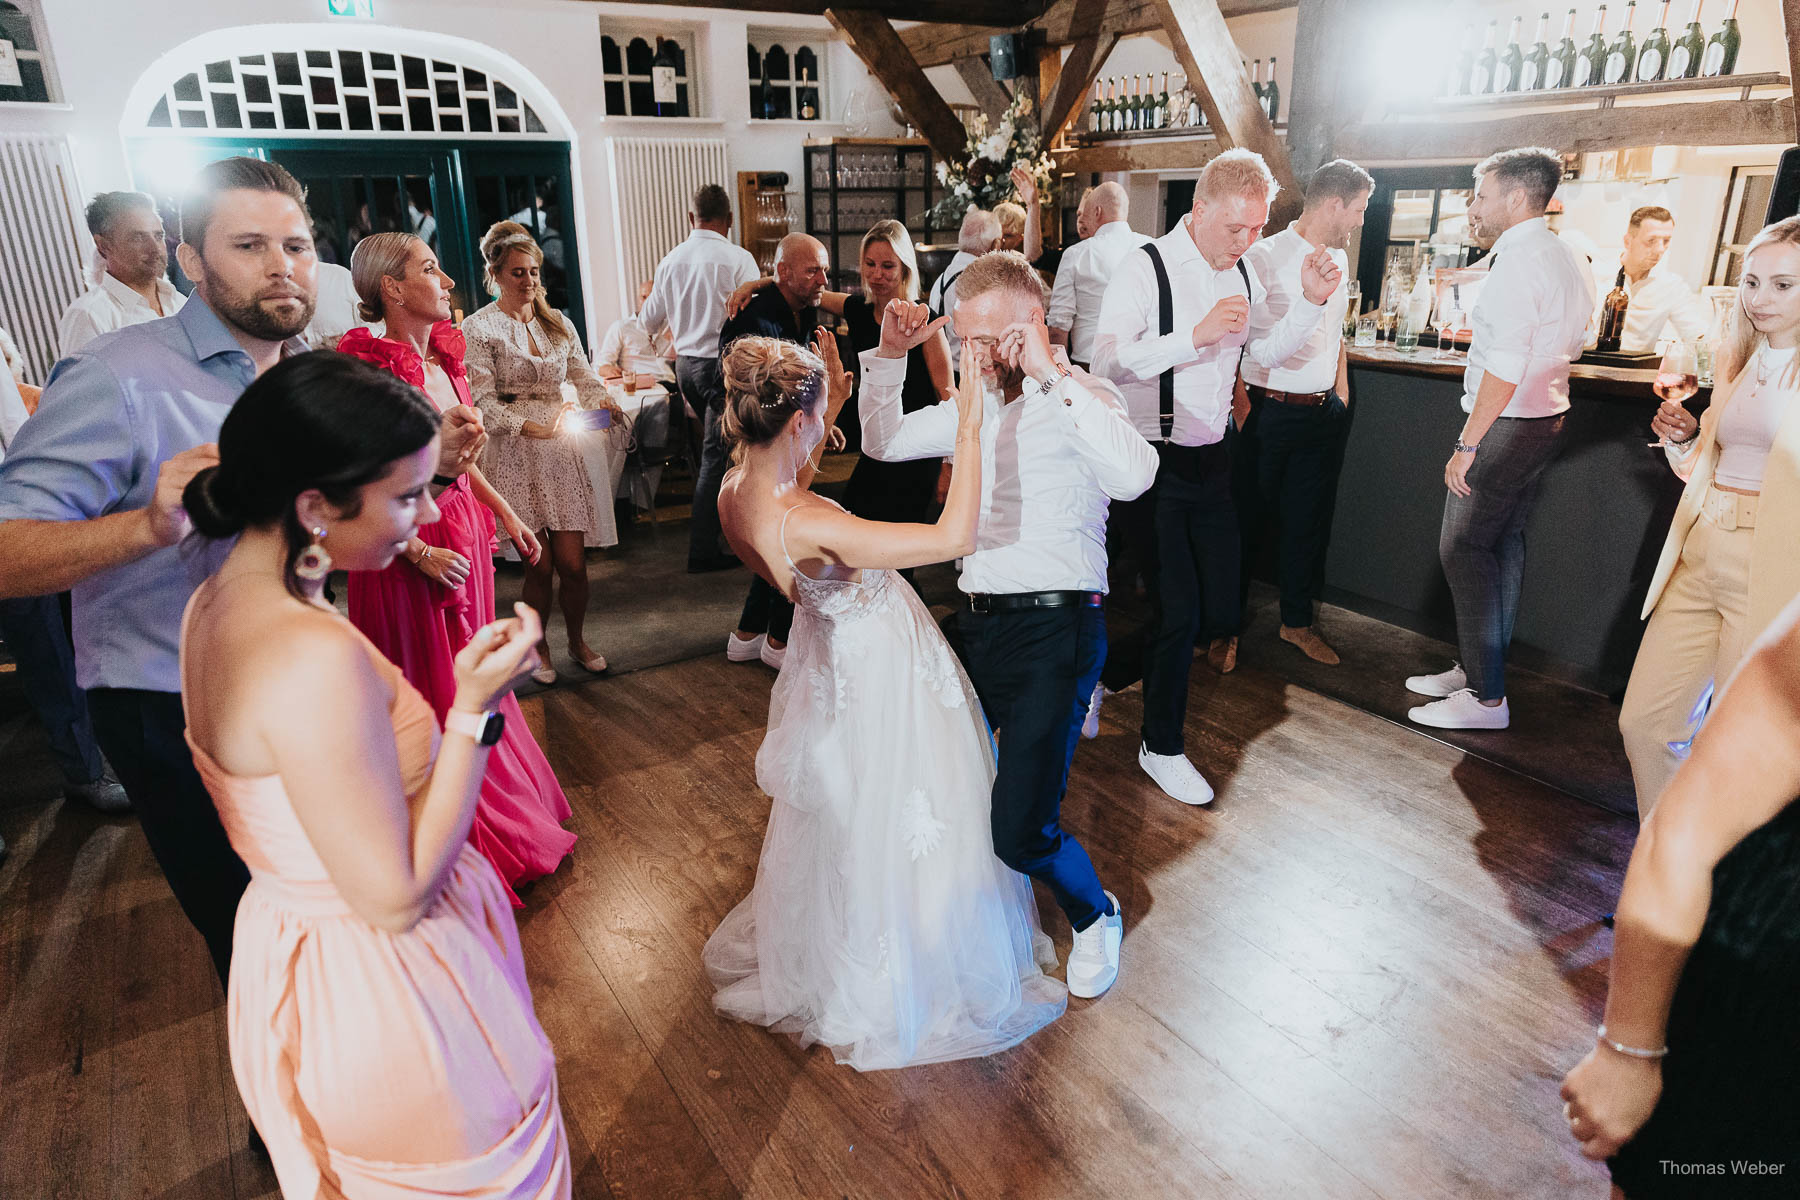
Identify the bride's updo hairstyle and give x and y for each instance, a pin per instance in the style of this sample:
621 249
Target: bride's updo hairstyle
767 381
322 420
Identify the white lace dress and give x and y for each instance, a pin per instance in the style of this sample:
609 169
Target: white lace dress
880 922
546 480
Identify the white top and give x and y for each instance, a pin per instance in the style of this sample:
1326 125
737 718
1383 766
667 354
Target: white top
688 296
1081 279
1132 354
335 312
942 299
1531 320
1276 262
1049 464
1750 421
1662 305
110 305
631 349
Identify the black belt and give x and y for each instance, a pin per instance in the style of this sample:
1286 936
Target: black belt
986 602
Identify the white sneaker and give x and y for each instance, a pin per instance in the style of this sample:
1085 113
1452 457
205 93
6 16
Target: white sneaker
772 656
1444 683
1175 775
1090 728
1461 710
739 649
1094 962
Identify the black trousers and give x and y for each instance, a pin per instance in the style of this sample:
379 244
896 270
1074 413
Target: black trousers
1034 670
143 736
1285 469
36 630
702 383
767 611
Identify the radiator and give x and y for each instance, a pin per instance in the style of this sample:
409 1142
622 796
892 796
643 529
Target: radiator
653 185
42 238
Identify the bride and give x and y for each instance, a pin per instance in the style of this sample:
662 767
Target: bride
880 923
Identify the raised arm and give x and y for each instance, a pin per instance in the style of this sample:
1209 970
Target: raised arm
890 434
1123 463
1034 225
1318 279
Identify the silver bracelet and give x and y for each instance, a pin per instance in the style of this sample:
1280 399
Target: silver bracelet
1630 1051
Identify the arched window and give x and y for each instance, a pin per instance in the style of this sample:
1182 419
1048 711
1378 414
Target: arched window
26 72
786 79
628 69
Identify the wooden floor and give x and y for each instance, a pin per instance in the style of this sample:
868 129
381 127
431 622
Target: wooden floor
1361 974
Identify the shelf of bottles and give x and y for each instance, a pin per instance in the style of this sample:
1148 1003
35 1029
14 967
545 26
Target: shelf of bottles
1604 64
851 183
1130 106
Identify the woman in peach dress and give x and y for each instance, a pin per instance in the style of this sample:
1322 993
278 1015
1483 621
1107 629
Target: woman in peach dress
381 1028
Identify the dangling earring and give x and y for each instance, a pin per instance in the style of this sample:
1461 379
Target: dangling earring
313 563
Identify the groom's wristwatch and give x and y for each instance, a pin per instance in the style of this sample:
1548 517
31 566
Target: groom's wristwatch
484 727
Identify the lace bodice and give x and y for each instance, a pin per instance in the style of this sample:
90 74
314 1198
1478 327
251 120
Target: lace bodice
511 382
838 600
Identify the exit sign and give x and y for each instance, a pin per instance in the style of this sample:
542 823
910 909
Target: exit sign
362 9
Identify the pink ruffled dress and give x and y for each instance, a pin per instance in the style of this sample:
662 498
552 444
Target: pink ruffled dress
421 626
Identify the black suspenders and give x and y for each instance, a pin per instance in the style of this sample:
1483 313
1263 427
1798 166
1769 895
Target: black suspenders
1165 308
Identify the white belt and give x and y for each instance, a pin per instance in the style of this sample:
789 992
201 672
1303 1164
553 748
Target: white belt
1729 510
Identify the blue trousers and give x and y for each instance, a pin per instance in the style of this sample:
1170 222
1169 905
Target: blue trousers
35 629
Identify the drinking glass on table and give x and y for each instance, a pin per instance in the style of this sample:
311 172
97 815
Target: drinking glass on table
1677 379
1365 329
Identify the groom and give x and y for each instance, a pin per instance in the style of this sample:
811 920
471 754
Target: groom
1056 447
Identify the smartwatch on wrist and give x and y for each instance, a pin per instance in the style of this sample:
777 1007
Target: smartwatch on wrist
484 728
1460 448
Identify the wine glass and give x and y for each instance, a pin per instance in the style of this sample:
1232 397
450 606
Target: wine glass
1677 378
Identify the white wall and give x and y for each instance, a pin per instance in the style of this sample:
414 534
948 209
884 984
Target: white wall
101 47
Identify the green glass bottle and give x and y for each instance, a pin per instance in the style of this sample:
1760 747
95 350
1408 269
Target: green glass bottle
1506 74
1591 61
1559 68
1653 52
1685 55
1272 94
1163 120
1531 70
1722 49
1621 56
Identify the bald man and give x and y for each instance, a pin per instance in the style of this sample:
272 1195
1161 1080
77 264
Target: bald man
786 309
1074 313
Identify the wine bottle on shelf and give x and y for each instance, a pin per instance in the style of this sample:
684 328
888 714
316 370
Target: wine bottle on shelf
1531 70
1163 120
768 94
1196 115
1590 62
1685 55
1272 94
1135 114
1559 68
1106 111
1098 107
1256 83
1653 53
1612 317
1458 83
1124 104
1144 101
1722 49
1481 79
662 78
809 105
1622 54
1506 74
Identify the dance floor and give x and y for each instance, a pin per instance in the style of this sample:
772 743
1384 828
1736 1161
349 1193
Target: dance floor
1362 974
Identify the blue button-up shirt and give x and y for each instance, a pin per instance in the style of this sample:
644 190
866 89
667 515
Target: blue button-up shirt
109 418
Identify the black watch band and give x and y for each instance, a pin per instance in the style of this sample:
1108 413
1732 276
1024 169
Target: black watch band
444 480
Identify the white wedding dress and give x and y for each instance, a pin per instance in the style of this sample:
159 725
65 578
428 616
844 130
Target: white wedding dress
880 923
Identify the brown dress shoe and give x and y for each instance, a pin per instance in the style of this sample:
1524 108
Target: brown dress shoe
1310 644
1221 656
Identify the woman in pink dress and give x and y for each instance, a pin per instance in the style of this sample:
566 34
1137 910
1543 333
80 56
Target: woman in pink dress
380 1023
421 609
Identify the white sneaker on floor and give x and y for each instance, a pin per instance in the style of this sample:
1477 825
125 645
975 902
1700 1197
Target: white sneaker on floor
772 655
1461 710
1090 727
1094 962
739 649
1175 775
1444 683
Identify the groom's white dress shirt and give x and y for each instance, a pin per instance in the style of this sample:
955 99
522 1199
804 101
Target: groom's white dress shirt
1050 464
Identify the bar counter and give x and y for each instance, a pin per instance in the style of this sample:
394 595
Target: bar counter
1592 541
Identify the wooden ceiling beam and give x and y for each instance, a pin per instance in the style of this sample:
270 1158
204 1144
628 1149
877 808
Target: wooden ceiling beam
1184 154
936 44
978 76
991 14
890 62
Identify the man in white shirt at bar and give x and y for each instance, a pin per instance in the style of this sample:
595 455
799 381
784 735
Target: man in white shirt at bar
1291 443
1662 304
129 240
1056 446
688 299
979 234
628 349
1174 328
1086 268
1529 325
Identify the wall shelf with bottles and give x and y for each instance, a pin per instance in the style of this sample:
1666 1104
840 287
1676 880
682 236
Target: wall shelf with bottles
851 183
1153 135
1603 95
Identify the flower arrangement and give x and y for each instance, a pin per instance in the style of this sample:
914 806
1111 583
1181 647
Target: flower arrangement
984 178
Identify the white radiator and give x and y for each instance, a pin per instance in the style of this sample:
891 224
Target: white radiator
653 185
42 239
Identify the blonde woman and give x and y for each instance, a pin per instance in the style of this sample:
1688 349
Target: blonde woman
521 351
1732 559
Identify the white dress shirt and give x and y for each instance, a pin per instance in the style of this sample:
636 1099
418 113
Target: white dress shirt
110 305
1133 353
692 283
337 309
943 299
1049 464
628 347
1081 279
1660 300
1531 320
1276 262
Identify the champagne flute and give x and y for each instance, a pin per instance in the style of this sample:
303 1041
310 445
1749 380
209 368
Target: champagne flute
1677 378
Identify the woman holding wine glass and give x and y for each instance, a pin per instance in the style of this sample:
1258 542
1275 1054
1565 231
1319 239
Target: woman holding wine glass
1732 559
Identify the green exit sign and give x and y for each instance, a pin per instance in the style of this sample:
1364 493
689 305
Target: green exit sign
363 9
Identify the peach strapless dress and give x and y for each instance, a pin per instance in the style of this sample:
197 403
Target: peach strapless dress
377 1065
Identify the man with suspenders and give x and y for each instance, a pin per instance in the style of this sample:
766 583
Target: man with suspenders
1173 329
